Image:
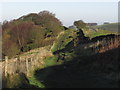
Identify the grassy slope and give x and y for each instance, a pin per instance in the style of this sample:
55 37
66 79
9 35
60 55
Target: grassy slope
96 70
51 61
93 34
113 27
64 39
82 72
102 30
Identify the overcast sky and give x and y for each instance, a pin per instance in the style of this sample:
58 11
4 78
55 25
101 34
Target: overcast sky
67 12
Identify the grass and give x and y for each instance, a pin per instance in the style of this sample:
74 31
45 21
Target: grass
113 27
49 61
82 71
100 32
97 32
60 43
64 39
16 81
35 82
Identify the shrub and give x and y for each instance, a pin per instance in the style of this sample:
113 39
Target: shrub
10 48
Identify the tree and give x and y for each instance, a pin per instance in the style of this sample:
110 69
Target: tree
29 32
20 33
48 21
80 24
9 48
37 35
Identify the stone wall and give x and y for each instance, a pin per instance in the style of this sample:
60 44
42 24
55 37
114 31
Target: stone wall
25 62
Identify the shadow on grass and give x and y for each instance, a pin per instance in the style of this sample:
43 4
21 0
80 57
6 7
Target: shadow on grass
96 71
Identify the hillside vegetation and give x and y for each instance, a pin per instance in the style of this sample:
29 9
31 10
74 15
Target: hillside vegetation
93 31
88 64
85 62
81 57
98 32
113 27
29 32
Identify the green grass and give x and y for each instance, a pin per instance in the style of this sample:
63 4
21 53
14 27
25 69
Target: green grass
96 32
113 27
100 32
64 39
35 82
60 43
50 61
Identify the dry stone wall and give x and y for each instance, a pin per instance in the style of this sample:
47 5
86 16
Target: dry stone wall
26 62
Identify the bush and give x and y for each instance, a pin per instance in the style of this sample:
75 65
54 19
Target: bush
10 49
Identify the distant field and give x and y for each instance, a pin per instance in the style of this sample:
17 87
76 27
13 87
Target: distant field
99 33
113 27
93 32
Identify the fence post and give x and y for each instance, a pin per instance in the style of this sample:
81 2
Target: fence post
32 63
19 64
6 65
27 71
35 61
16 65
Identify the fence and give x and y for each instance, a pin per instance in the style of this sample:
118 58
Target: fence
25 62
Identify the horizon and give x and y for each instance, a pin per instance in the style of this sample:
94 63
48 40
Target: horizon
67 12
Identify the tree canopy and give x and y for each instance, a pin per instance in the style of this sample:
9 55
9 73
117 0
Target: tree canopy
29 31
80 24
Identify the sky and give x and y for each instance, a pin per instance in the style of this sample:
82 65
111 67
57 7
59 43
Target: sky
67 12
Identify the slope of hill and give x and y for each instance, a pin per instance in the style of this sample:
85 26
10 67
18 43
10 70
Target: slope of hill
91 71
82 66
83 72
113 27
97 32
86 57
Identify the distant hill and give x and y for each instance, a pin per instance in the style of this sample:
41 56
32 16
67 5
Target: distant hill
113 27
